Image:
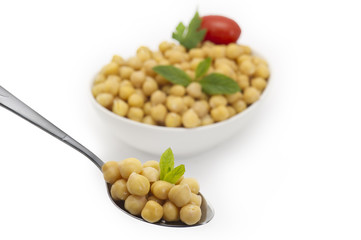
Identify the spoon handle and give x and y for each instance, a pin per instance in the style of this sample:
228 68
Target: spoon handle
10 102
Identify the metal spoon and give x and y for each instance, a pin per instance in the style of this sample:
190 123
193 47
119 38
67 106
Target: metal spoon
10 102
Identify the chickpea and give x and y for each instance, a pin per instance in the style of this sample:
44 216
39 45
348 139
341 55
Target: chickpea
152 211
184 65
251 95
226 70
170 212
180 195
173 120
154 198
233 51
135 113
98 89
195 62
135 100
157 56
247 67
191 74
259 83
125 72
192 183
149 86
143 53
174 56
164 46
148 67
188 101
135 63
243 81
151 163
262 71
225 61
206 120
190 119
258 61
219 113
190 214
138 184
158 112
110 69
231 111
119 190
120 107
196 199
194 89
126 82
129 165
160 189
243 57
125 91
99 78
111 172
150 173
175 104
105 99
118 60
217 51
149 120
163 62
112 84
177 90
158 97
166 89
135 204
201 107
239 106
137 79
217 100
196 53
246 49
180 48
140 93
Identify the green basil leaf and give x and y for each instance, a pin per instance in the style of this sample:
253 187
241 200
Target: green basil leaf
174 175
173 75
178 34
166 163
217 83
203 67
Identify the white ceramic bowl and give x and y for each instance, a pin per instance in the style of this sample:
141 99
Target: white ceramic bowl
183 141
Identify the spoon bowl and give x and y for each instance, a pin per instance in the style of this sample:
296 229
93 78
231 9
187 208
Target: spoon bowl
10 102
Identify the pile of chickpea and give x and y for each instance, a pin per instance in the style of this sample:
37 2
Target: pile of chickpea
153 199
130 88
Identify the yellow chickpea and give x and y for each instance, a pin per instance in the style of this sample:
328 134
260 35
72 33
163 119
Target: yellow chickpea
170 212
135 63
258 61
192 184
177 90
98 89
154 198
173 120
175 56
220 113
180 195
137 79
148 67
196 53
111 171
157 56
129 165
233 51
247 67
191 73
164 46
110 69
175 104
125 72
239 106
136 100
160 189
151 163
246 49
226 70
195 62
149 120
225 61
135 113
125 82
146 107
99 78
190 214
242 81
125 91
158 112
119 190
259 83
243 57
231 98
150 173
166 89
152 212
135 204
217 51
120 107
231 111
188 101
262 71
118 60
194 90
158 97
184 66
149 86
206 120
217 100
196 199
143 53
138 184
190 119
251 95
201 107
105 99
112 84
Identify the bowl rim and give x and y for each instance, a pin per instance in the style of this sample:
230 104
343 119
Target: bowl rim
181 129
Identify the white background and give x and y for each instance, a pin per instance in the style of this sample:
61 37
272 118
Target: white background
294 173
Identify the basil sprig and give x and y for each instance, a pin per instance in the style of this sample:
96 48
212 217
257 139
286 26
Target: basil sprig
167 171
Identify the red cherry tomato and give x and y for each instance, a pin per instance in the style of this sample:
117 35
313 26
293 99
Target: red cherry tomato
220 30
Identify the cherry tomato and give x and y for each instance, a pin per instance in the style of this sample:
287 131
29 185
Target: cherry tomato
220 30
